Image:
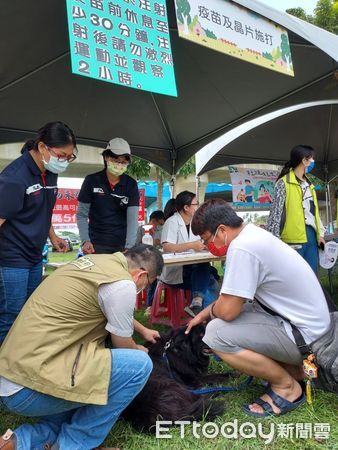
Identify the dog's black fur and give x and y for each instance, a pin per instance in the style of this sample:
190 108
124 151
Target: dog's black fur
166 394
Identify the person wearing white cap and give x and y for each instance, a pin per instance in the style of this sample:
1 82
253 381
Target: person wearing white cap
108 203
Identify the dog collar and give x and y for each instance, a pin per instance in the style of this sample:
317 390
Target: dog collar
165 357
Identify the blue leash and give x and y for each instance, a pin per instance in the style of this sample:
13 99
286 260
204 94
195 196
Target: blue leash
243 385
206 390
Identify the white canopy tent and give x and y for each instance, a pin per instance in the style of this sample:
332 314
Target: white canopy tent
216 92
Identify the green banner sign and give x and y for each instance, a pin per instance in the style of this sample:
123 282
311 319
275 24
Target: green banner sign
125 42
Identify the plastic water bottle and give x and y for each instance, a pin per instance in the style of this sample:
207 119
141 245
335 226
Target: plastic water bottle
147 238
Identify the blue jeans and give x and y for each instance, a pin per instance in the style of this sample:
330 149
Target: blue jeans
16 285
196 278
77 426
151 292
309 250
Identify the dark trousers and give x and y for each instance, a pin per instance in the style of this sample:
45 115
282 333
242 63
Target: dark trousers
106 249
196 278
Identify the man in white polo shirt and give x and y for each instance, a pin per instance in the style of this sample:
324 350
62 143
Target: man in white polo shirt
261 271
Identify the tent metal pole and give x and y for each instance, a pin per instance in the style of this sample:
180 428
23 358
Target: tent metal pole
330 206
197 189
172 186
327 205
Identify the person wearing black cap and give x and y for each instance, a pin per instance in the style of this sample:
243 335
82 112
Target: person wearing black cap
110 200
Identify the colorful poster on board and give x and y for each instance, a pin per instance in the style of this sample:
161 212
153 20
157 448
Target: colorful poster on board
234 30
252 188
125 42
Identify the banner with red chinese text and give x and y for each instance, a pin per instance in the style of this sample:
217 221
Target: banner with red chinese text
142 206
65 208
64 212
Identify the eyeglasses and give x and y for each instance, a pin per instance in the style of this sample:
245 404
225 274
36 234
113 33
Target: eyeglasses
211 238
69 159
206 241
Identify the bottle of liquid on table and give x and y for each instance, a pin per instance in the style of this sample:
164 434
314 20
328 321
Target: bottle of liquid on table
147 238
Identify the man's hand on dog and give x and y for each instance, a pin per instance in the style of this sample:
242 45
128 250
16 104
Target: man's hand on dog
201 317
151 335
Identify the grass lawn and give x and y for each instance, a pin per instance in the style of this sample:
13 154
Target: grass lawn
299 429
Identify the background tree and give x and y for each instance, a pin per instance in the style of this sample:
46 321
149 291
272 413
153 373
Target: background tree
188 168
300 13
325 15
140 169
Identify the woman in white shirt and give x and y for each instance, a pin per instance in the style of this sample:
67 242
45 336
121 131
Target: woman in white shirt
178 237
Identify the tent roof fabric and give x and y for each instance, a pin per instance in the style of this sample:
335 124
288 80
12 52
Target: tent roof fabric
280 128
215 92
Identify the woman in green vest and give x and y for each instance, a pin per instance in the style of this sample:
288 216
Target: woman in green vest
294 215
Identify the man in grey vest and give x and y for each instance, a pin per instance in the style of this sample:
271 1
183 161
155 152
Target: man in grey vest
54 362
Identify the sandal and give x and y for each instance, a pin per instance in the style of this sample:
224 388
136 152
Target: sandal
284 405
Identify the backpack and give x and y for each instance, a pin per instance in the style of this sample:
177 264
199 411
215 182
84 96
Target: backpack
326 352
324 348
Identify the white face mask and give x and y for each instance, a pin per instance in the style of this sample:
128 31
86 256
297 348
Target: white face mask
138 290
54 165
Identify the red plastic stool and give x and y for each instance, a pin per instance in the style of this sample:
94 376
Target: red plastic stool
141 300
168 306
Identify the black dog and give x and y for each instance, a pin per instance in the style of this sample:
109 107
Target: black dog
180 363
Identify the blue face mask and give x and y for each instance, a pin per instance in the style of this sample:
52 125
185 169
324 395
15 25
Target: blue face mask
54 165
310 167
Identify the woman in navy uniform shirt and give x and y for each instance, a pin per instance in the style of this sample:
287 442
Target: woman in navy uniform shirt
28 189
110 200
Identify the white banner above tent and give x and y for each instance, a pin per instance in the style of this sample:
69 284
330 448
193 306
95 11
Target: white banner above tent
236 31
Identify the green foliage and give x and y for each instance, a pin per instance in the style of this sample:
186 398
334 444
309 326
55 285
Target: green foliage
188 168
139 168
183 10
210 34
300 13
315 180
325 15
